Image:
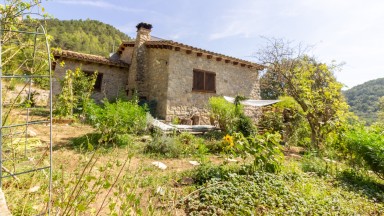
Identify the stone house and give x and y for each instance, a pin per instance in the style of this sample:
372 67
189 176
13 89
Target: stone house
178 78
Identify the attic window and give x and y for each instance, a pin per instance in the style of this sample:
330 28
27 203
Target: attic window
204 81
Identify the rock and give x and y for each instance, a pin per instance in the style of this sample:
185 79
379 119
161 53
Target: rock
194 163
4 211
230 160
31 133
160 190
34 189
159 165
187 181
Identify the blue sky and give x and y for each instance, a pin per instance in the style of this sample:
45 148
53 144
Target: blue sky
347 31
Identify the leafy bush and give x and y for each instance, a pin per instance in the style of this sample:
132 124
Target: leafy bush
175 146
276 194
208 171
231 117
365 146
113 119
287 118
76 91
224 112
166 146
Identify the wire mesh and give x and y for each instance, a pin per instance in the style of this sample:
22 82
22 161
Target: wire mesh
23 155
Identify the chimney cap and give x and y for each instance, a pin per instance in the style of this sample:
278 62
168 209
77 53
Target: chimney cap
144 25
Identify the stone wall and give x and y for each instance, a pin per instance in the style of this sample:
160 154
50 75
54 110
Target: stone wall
138 68
114 78
231 80
126 55
156 79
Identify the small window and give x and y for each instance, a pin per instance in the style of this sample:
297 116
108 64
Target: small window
204 81
98 82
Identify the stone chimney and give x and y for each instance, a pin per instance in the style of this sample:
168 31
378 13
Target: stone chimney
137 71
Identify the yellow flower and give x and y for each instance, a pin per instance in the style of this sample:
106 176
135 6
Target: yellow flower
229 139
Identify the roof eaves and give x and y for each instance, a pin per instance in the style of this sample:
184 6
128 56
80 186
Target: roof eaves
88 57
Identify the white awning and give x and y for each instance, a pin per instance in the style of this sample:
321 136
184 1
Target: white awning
256 103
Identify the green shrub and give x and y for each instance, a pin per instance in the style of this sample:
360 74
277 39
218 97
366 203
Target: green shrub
288 119
113 119
365 146
224 113
265 193
76 91
167 146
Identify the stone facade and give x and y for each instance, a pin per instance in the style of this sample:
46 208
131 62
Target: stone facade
114 79
162 71
231 80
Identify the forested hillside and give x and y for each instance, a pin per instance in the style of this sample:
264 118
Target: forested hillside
363 99
88 36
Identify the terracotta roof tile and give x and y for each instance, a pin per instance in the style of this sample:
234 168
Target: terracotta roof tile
88 57
170 44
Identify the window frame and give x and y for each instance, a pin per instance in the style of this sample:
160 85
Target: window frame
204 90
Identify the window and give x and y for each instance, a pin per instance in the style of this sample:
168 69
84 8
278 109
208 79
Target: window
204 81
98 82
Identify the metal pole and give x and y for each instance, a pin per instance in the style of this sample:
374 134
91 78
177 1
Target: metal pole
50 121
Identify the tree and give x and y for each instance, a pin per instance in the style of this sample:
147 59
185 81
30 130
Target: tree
380 114
291 72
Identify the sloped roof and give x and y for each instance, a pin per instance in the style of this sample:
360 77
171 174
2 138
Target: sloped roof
172 45
89 58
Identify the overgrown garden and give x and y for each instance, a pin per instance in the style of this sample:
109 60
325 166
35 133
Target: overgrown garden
306 155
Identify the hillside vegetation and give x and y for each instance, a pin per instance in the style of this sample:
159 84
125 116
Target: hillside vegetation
87 36
363 99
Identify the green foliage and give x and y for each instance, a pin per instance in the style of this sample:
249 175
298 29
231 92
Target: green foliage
113 119
312 84
166 146
365 146
76 91
230 116
288 119
276 194
23 54
380 114
224 113
87 36
207 171
364 99
176 146
265 149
